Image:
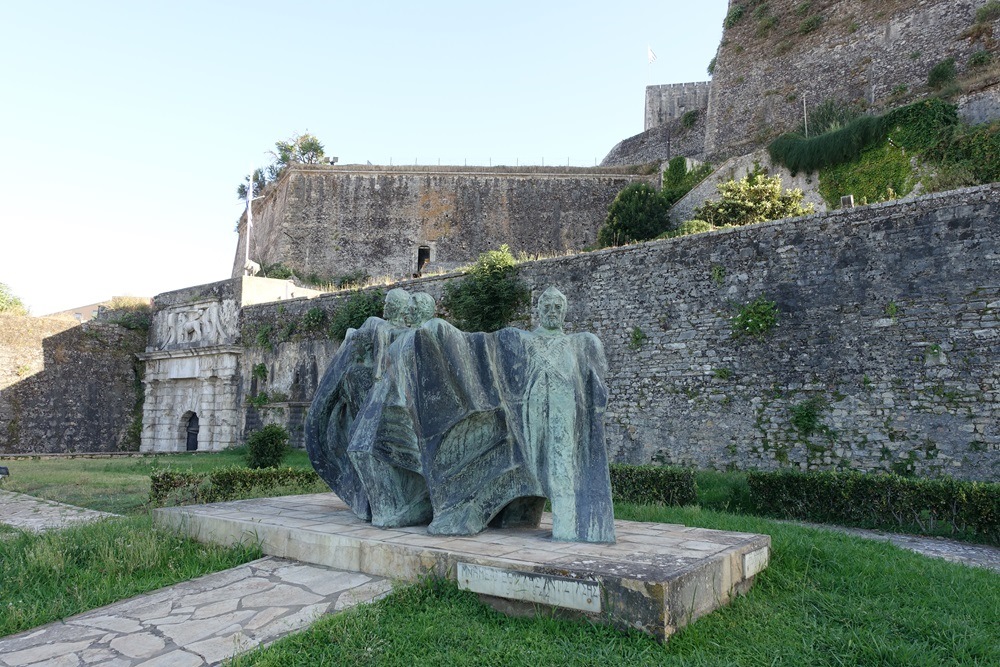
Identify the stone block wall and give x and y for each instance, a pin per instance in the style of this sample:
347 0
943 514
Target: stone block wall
67 387
671 101
332 220
886 355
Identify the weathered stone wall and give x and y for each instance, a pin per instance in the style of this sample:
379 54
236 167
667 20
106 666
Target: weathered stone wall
862 51
660 144
331 220
66 387
671 101
886 356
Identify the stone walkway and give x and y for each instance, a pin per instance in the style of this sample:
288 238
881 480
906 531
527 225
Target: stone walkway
964 553
36 514
199 622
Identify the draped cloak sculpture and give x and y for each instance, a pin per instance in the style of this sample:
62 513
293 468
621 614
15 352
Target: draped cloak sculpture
416 421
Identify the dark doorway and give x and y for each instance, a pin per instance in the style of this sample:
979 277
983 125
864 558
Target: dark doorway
423 257
192 433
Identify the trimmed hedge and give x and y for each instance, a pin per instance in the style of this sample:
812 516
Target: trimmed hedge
224 483
879 501
653 485
631 484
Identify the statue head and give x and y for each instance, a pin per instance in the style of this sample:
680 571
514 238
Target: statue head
552 309
397 308
423 308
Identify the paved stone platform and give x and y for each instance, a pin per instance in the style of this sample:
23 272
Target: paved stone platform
36 514
199 622
657 578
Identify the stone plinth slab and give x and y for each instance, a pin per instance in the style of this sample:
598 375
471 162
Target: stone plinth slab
656 578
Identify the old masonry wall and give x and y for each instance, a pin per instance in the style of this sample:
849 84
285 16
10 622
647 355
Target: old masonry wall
886 353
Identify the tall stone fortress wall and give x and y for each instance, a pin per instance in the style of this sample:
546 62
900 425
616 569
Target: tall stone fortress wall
886 355
861 51
332 220
871 55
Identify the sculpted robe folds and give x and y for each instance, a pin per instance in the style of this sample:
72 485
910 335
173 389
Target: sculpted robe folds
469 430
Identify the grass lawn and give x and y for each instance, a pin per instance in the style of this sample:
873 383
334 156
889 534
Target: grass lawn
826 599
119 485
59 573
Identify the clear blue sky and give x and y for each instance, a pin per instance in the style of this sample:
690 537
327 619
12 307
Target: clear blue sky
126 126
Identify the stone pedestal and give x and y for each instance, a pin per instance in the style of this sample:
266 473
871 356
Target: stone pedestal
656 578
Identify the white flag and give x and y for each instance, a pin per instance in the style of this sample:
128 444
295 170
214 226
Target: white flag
651 55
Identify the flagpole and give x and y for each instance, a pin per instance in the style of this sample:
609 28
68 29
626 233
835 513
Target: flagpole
249 219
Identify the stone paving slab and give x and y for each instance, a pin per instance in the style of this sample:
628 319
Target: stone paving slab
657 577
36 514
199 622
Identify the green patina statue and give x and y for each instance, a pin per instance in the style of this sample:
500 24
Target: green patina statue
466 430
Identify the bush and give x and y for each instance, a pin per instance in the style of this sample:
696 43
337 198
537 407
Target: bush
653 485
354 311
266 447
942 74
314 319
880 501
10 303
224 484
278 271
755 319
988 12
754 198
491 294
686 228
980 59
638 213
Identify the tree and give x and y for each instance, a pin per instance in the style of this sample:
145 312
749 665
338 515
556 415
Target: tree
10 303
299 149
638 213
489 296
754 198
302 148
259 181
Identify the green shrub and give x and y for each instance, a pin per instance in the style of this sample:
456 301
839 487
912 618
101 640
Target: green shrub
10 303
880 501
836 147
988 12
980 59
811 24
266 447
755 319
734 16
259 371
653 485
314 319
711 65
278 271
689 119
880 173
942 74
230 483
638 213
754 198
491 294
353 312
686 228
807 416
